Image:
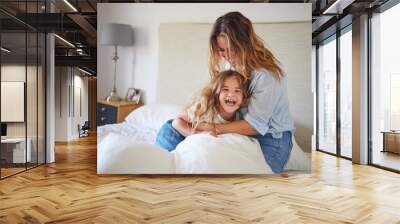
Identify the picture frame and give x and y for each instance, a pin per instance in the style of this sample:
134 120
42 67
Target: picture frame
133 95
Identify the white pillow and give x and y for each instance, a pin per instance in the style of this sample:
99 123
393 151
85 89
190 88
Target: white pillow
118 154
153 116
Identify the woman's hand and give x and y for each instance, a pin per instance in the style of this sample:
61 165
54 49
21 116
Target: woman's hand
207 132
207 128
239 127
213 133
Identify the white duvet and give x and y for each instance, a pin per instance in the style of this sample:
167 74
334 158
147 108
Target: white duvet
133 152
139 134
225 154
197 154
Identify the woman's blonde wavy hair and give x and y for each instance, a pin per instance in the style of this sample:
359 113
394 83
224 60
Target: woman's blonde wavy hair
249 48
206 104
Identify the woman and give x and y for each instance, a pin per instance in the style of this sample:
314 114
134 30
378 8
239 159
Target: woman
234 44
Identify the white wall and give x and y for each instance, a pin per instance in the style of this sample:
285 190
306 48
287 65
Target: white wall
17 73
14 73
138 65
61 104
66 119
183 66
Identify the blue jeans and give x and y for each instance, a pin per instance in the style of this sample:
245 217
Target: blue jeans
168 137
276 150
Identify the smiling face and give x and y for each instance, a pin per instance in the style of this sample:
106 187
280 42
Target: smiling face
231 95
224 50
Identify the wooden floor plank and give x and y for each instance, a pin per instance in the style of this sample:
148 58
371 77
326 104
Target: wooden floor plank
70 191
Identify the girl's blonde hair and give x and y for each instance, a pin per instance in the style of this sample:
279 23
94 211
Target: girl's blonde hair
249 48
206 104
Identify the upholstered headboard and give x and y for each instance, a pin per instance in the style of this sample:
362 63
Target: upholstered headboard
183 69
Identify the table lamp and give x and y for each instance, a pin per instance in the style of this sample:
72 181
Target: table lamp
114 34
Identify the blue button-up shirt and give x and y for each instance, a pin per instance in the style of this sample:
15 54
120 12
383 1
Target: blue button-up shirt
268 108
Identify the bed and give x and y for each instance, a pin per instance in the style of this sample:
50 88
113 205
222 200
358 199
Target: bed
128 148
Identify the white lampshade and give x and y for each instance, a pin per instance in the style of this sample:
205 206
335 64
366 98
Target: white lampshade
116 34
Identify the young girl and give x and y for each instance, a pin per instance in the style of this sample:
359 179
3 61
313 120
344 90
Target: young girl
218 103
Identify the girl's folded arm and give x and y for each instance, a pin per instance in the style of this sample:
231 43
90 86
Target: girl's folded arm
182 125
240 127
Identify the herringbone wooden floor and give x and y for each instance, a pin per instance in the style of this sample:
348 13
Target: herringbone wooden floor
70 191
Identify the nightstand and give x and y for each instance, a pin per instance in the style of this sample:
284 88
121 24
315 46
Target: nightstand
114 112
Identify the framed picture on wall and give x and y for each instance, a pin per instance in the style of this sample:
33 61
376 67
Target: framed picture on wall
133 95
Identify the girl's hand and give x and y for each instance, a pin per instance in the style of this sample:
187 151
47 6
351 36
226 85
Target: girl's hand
205 127
206 132
213 133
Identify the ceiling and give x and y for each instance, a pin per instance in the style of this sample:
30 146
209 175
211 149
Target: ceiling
76 22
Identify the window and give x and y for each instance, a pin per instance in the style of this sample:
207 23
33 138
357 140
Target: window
327 96
346 93
333 137
385 88
22 73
